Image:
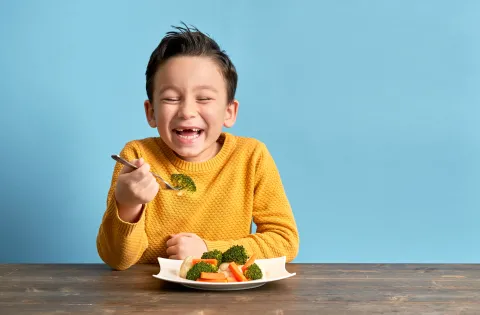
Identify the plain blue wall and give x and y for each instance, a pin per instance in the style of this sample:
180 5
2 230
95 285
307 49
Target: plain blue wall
370 108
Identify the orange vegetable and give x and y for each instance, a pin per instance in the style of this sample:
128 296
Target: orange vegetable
231 279
211 280
249 262
208 261
236 272
212 275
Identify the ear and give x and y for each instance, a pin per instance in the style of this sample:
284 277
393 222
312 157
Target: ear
231 114
150 114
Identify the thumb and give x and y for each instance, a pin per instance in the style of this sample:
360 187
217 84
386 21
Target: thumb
139 162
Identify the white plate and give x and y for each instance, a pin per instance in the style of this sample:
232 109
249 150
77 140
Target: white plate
273 270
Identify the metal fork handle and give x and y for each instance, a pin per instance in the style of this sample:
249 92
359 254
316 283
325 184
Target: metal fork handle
126 163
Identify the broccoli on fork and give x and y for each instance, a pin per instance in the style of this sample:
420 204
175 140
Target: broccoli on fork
183 182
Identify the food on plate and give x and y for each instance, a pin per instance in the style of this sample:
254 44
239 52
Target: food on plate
185 267
233 265
236 272
197 269
253 272
213 254
208 261
236 253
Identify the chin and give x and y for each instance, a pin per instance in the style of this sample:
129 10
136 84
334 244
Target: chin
188 152
195 150
192 156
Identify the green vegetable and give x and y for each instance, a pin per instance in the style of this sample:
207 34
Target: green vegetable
253 272
183 182
213 254
197 269
236 253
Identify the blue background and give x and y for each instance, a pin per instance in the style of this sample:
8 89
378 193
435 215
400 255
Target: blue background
370 108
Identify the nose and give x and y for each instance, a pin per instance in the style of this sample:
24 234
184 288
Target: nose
187 110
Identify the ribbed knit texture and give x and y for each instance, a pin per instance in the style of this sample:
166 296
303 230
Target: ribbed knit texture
239 184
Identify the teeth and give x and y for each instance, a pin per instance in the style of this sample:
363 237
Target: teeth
196 130
189 137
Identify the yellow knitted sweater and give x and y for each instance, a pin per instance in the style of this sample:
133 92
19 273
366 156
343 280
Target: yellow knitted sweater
240 184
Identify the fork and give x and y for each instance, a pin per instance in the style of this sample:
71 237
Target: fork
126 163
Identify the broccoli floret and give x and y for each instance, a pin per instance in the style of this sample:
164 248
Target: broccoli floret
183 182
253 272
213 254
236 253
197 269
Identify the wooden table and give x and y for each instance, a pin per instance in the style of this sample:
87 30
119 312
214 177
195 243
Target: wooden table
316 289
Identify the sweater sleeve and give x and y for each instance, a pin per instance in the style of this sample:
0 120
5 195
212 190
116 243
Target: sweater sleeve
121 244
277 233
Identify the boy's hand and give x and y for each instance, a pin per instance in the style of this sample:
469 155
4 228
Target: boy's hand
181 245
134 188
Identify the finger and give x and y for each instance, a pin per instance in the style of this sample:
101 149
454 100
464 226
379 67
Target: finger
174 257
146 190
172 242
142 172
153 188
186 234
128 169
173 250
139 186
143 169
145 181
177 239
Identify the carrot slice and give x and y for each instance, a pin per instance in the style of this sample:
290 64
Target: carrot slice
211 280
236 272
231 279
249 262
212 275
208 261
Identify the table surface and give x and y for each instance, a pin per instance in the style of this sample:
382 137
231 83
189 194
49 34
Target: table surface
316 289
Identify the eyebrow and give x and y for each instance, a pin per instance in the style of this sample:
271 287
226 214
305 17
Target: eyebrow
200 87
206 87
167 87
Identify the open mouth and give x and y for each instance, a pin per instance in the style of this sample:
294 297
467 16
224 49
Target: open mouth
188 134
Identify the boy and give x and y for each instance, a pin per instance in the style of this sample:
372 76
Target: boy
191 87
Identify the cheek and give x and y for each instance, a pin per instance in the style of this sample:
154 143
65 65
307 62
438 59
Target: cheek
214 115
164 115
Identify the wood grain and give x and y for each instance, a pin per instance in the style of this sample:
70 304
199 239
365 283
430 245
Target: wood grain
316 289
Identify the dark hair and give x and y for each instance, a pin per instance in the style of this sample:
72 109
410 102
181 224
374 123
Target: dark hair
190 42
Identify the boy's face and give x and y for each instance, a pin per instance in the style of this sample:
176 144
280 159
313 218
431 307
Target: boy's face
190 107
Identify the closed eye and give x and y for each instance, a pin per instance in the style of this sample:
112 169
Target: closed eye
170 99
204 99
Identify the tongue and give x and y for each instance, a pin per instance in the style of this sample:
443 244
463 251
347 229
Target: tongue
188 133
